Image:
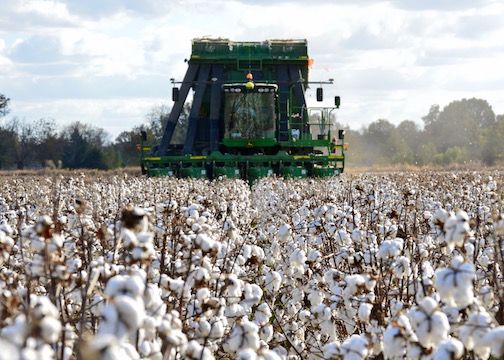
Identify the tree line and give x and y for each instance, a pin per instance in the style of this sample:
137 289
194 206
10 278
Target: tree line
465 131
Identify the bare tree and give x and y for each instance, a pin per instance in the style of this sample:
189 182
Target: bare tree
4 105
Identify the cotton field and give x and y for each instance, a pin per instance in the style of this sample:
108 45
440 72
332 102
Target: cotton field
370 266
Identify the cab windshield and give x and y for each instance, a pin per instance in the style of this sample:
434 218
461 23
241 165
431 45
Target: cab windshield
249 113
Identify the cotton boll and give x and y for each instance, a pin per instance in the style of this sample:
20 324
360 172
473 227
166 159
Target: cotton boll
370 282
131 312
262 314
365 312
252 293
449 349
50 329
17 331
396 337
43 307
332 277
176 285
170 328
273 282
37 243
487 296
353 284
234 311
402 267
484 261
323 315
207 244
204 327
474 330
144 348
203 294
110 319
245 334
234 288
390 249
355 347
129 238
298 260
9 348
145 237
219 325
135 219
430 325
495 340
356 235
107 347
304 316
247 354
454 283
332 351
266 333
284 232
201 275
314 256
292 308
124 285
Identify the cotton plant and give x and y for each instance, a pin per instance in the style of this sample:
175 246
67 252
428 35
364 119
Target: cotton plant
40 328
189 312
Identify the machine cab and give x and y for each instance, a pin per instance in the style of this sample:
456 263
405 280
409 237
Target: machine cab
249 112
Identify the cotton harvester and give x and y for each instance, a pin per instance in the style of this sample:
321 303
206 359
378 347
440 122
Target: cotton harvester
249 117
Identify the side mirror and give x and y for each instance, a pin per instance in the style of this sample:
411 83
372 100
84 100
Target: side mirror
143 135
175 94
337 101
341 134
320 94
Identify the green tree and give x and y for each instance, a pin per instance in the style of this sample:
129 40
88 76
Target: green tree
427 155
492 143
112 157
378 147
406 140
455 155
6 137
459 124
355 155
83 146
432 117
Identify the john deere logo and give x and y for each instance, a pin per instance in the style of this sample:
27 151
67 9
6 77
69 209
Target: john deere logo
249 144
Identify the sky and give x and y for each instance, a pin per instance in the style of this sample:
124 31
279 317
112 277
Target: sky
108 63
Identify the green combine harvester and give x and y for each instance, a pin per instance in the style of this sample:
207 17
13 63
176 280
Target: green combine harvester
249 118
